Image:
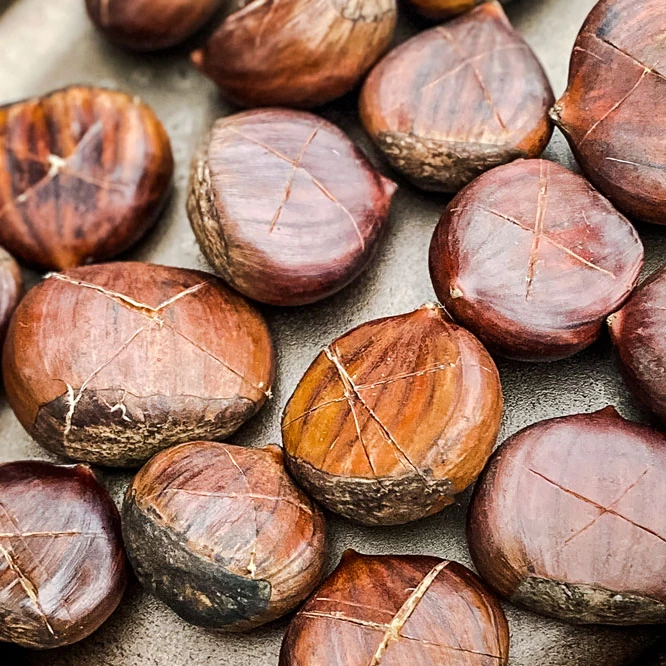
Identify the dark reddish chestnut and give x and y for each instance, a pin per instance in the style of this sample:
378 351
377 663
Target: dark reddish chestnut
148 25
62 565
563 520
222 535
11 288
396 610
440 9
408 107
112 363
394 418
302 230
299 53
532 260
615 104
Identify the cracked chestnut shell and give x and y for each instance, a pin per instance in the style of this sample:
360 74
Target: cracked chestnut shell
408 109
532 260
441 9
394 418
563 520
109 364
222 535
11 289
299 53
62 565
393 610
85 173
615 105
307 227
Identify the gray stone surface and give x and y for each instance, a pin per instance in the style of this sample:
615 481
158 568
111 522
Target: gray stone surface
47 44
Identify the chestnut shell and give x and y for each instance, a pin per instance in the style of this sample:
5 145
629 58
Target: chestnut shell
441 9
11 289
563 520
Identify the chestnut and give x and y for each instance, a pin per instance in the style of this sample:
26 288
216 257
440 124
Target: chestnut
303 230
441 9
86 172
394 418
62 565
111 363
531 259
299 53
408 108
149 25
615 105
222 535
563 520
11 289
396 610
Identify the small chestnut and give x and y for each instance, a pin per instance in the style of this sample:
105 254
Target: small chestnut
532 260
394 418
62 565
87 172
11 288
614 108
111 363
303 230
564 520
408 107
441 9
299 53
398 610
222 535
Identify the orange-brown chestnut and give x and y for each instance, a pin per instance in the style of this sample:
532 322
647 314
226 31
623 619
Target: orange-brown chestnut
85 173
11 288
398 610
531 259
440 9
299 53
302 230
222 535
408 108
614 108
394 418
563 520
62 565
111 363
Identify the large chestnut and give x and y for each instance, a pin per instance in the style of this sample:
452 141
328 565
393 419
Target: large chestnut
409 109
394 418
299 53
222 535
441 9
532 260
563 520
304 229
614 108
62 565
11 288
110 364
396 610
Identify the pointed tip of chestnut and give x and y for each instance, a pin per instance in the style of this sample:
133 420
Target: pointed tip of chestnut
389 186
197 58
275 450
609 410
555 113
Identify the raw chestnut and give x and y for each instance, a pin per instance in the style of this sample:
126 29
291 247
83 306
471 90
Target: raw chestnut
307 227
614 109
222 535
148 25
440 9
409 109
299 53
109 364
86 172
532 260
62 565
11 288
398 610
394 418
564 522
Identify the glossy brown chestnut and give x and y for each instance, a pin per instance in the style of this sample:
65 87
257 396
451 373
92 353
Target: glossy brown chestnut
408 108
441 9
62 565
398 610
615 104
394 418
222 535
299 53
532 260
11 289
148 25
563 520
84 173
110 364
303 230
